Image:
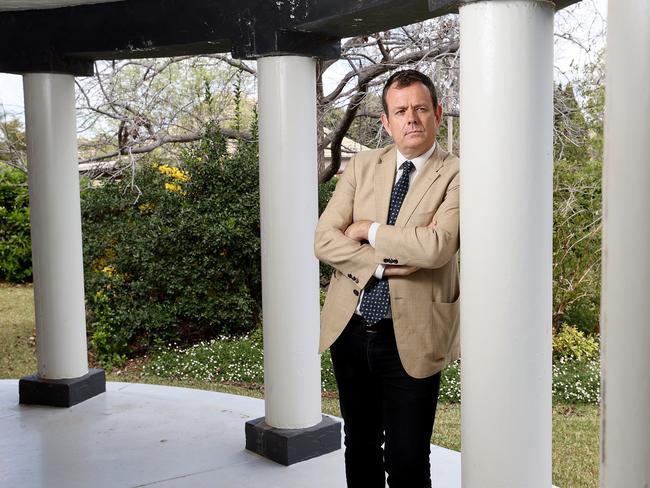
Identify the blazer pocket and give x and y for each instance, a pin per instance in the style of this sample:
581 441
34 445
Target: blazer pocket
446 328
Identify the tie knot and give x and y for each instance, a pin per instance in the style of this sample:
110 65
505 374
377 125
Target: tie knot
407 167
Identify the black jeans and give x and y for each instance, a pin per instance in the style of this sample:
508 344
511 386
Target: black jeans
382 404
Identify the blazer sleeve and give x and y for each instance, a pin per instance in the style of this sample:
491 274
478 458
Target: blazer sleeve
421 246
353 259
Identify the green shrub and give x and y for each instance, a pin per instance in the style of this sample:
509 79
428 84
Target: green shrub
175 253
223 359
327 378
571 343
240 360
15 239
325 191
576 381
450 383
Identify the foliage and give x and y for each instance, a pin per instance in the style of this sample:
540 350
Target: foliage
225 359
15 239
173 255
240 360
13 145
576 381
325 191
137 105
577 208
572 343
450 383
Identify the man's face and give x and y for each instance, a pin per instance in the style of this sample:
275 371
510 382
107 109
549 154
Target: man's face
412 120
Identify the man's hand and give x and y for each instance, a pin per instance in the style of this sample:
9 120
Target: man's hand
396 270
358 230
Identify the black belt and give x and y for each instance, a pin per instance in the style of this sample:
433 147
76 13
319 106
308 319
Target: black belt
382 325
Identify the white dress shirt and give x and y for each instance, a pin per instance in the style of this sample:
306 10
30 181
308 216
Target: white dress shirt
418 162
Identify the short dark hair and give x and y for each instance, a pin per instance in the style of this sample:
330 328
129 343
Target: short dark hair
406 78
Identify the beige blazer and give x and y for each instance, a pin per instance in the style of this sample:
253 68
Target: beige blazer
424 304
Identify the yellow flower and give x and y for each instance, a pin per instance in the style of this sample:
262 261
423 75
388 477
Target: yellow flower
146 207
109 270
175 187
173 172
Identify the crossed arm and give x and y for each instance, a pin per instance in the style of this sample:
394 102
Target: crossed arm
359 231
342 242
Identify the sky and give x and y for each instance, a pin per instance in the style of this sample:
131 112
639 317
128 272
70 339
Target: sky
579 19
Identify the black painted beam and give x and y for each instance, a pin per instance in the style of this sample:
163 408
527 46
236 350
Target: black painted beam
129 29
344 18
69 39
443 7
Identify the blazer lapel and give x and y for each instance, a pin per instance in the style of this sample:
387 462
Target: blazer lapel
384 178
429 173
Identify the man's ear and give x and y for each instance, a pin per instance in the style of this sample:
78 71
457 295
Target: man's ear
386 124
438 114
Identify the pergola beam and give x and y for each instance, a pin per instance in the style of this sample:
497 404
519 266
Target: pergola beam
69 39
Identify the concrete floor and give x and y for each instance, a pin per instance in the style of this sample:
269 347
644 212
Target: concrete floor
138 435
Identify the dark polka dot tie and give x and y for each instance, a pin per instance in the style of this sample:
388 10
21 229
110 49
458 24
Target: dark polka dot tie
376 297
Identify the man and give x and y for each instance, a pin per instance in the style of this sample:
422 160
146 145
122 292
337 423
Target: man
391 233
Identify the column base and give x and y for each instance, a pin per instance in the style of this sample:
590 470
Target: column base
290 446
61 393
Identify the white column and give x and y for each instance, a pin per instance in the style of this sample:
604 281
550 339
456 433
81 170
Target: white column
289 213
506 235
625 317
51 129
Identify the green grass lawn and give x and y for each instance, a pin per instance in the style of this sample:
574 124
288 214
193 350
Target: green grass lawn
575 427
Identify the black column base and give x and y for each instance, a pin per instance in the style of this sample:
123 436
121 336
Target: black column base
290 446
61 393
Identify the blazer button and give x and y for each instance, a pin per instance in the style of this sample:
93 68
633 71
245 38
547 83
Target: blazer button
395 261
356 292
356 280
386 260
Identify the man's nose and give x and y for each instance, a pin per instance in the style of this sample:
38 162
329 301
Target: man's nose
411 115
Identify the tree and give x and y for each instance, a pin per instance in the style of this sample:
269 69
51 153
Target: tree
137 106
13 146
577 211
370 60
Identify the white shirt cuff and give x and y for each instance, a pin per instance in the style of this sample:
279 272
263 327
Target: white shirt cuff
372 233
379 272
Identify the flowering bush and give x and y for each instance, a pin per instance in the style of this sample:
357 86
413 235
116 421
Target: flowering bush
174 253
225 359
240 360
450 383
576 381
571 343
